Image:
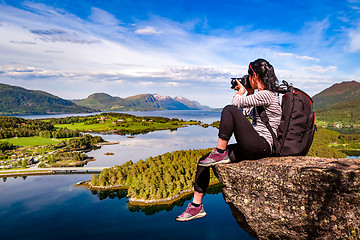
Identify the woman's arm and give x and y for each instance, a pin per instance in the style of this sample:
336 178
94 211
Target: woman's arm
260 98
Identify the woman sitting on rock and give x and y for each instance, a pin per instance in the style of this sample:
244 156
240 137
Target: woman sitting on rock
254 141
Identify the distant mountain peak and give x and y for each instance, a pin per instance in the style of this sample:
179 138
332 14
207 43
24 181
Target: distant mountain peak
182 102
99 95
337 93
341 88
159 97
102 101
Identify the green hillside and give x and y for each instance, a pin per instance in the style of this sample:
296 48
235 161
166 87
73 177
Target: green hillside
17 100
346 112
105 102
145 102
337 93
102 102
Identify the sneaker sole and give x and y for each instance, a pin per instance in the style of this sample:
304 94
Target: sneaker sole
214 163
199 215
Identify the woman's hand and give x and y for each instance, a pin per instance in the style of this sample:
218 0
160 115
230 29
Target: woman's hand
240 88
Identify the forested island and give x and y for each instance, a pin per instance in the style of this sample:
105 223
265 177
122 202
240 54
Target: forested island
165 177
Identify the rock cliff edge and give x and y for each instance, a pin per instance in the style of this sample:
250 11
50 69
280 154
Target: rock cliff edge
294 197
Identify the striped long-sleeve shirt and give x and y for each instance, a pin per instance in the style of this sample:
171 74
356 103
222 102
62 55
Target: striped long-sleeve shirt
270 101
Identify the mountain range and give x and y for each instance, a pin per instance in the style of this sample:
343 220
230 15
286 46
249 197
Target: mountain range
16 100
340 102
141 102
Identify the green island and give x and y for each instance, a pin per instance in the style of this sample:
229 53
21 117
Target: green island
55 142
119 123
164 178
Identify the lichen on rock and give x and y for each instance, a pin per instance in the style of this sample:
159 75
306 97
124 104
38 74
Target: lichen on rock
294 197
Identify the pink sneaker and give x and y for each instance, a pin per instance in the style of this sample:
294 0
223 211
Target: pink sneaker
215 158
191 213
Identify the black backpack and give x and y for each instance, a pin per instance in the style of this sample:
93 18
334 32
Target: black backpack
297 126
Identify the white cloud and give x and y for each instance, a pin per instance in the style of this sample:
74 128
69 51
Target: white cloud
102 17
320 69
148 31
354 37
58 35
147 83
10 69
283 54
307 58
172 83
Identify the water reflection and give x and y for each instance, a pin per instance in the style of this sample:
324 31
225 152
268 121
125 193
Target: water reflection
112 194
352 153
152 144
22 177
150 209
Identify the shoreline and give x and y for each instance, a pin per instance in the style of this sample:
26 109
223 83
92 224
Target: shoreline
143 202
26 173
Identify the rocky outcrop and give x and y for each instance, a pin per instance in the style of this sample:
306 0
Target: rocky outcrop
294 197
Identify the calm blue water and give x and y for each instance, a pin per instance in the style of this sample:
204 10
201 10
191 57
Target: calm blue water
50 207
153 144
200 115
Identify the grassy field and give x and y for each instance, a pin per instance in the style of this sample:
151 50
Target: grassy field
109 125
32 141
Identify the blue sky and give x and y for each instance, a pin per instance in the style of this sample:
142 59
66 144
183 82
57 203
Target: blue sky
177 48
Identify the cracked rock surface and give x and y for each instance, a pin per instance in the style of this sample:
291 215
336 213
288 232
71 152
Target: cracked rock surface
294 197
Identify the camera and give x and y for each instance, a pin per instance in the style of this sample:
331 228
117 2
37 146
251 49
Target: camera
244 81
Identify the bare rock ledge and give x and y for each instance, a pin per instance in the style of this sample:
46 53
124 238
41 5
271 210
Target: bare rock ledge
294 197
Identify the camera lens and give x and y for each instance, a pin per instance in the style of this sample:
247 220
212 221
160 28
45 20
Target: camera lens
233 82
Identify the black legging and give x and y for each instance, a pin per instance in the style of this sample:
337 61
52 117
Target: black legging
249 144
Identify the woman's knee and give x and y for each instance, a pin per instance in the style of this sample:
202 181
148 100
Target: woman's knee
233 111
229 108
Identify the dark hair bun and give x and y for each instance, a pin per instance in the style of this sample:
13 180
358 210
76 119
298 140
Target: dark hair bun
266 72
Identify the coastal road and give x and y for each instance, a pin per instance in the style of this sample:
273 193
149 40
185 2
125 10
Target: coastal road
58 170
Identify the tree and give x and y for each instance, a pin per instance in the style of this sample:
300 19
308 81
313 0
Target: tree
5 145
24 163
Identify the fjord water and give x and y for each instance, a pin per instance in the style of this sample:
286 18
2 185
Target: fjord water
50 207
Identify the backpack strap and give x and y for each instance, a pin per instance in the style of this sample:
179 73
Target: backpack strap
264 117
284 87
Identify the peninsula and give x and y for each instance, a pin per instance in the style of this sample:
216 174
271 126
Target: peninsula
62 142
